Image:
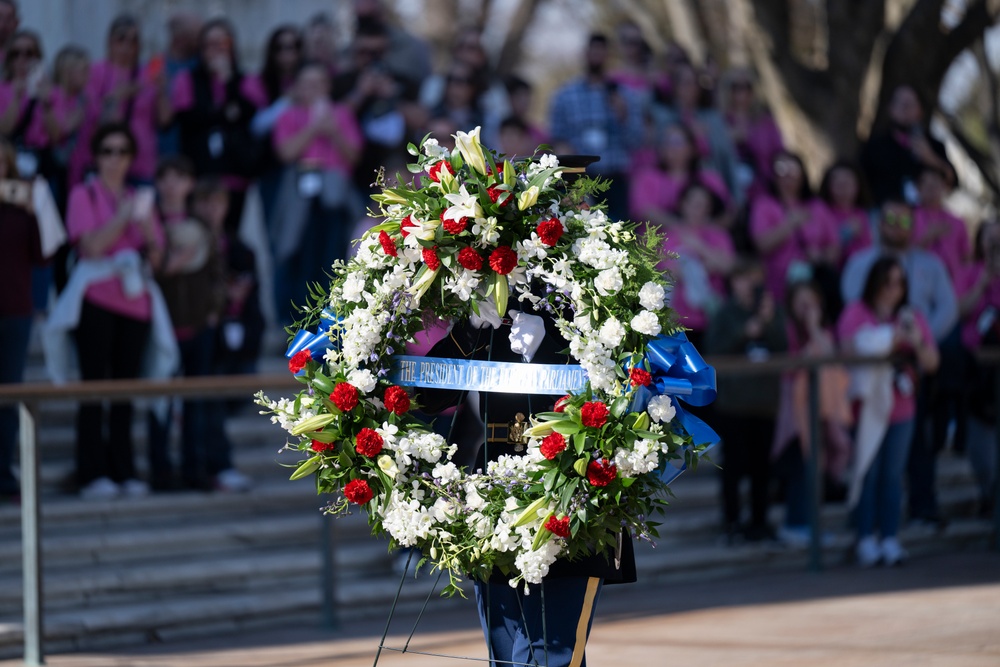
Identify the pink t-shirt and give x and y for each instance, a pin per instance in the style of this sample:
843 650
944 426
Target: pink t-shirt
64 105
182 91
322 152
105 77
91 206
857 316
656 190
818 234
966 279
853 229
694 317
953 248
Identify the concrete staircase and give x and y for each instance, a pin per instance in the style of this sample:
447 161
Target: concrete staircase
194 564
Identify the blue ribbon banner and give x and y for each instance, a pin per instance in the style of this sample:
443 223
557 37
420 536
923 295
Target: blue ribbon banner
677 368
494 376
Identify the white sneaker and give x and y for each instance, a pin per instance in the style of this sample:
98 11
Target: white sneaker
867 552
232 480
893 552
135 488
101 488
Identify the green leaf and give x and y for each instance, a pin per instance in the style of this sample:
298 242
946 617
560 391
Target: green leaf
323 384
306 468
619 407
567 428
580 442
580 466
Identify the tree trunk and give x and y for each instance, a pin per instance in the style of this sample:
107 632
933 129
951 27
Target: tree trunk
510 52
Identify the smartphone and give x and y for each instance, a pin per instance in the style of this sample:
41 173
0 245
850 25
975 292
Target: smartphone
142 203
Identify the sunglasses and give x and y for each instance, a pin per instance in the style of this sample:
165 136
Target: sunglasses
114 151
14 54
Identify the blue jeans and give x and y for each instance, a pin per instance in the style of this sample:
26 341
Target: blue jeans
517 631
14 333
882 492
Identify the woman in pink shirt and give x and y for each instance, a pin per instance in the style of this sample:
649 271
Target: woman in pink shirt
320 141
934 228
793 234
121 93
705 258
654 192
59 122
883 305
754 133
844 199
104 222
213 104
18 95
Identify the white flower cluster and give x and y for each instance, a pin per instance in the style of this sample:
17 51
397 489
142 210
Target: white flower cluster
406 519
661 409
362 332
640 460
534 564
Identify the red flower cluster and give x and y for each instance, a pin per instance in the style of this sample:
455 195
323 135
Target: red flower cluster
435 170
503 260
388 245
469 259
552 445
299 360
594 414
404 226
561 404
495 193
558 527
431 258
397 400
320 447
358 492
639 377
549 231
345 396
454 226
601 473
368 443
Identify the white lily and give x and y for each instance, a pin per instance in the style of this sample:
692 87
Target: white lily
527 198
464 205
467 144
419 288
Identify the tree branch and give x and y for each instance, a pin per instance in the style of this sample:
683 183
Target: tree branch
511 51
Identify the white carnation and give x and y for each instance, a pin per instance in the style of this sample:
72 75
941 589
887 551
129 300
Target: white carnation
661 409
608 282
363 379
354 287
651 296
647 323
612 332
446 472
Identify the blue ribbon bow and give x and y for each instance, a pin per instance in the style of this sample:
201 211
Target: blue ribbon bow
680 372
319 342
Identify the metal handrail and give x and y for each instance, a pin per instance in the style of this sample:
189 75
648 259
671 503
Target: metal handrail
29 395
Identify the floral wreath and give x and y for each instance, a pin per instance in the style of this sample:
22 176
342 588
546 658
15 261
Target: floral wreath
469 232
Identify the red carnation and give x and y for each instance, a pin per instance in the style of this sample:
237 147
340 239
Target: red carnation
345 396
469 259
558 527
435 170
495 193
601 473
639 377
561 404
503 260
321 447
404 226
388 245
397 400
431 258
454 226
358 492
552 445
594 414
549 231
368 443
299 360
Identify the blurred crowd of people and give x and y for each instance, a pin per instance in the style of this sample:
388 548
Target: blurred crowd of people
158 166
